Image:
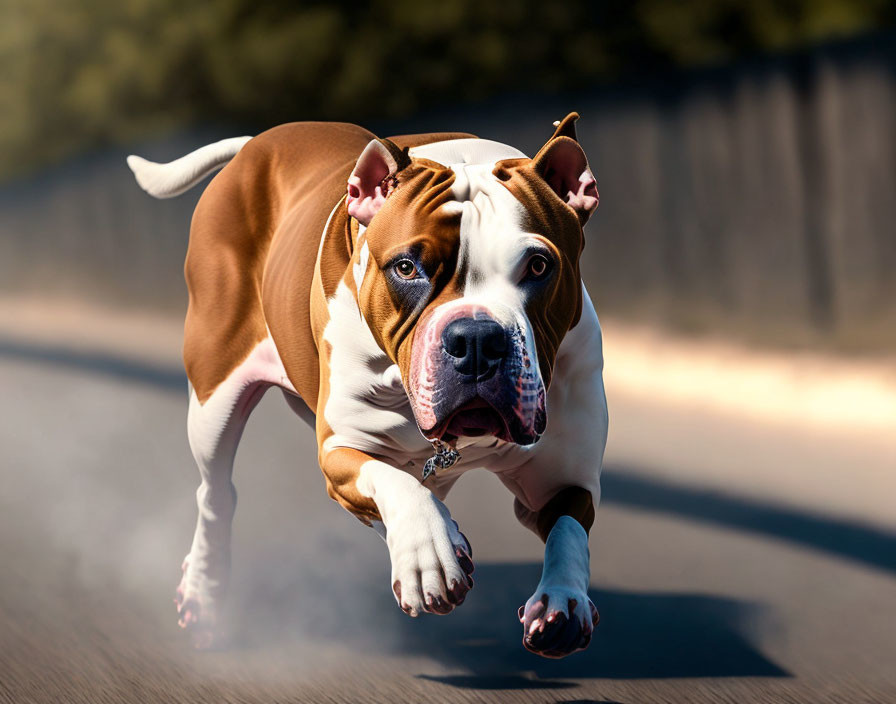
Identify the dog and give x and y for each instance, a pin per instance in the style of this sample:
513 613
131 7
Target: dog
418 299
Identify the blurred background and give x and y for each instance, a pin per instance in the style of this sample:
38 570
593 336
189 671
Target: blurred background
742 261
745 150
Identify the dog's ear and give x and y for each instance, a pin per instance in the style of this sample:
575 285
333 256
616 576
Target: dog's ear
373 178
566 127
562 164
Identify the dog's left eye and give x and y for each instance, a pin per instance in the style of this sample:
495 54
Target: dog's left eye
406 269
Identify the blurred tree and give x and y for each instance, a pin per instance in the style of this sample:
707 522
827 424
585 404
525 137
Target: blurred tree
80 73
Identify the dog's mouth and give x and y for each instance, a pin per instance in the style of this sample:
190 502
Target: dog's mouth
473 419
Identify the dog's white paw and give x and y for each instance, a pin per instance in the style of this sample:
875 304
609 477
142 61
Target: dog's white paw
431 559
198 609
557 621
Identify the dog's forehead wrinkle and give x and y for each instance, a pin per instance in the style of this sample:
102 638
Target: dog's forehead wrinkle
491 226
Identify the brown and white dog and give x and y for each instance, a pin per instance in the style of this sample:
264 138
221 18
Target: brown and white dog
406 294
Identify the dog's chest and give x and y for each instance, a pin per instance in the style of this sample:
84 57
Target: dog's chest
367 407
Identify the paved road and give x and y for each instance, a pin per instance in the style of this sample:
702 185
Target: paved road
706 594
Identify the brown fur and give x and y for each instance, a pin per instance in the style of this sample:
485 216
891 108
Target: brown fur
397 227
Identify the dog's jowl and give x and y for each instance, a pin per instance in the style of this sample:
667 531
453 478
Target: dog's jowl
418 299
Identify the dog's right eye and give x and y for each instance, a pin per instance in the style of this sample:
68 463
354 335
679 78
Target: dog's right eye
406 269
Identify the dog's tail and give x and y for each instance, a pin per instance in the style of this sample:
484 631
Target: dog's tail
176 177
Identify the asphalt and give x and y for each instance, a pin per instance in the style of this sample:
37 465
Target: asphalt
711 588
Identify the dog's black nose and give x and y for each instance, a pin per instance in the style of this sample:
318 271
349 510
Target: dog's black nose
477 346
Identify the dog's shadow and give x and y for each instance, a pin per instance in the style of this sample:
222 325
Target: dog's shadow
641 635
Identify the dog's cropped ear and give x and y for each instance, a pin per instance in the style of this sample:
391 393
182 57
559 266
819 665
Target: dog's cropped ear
373 178
562 164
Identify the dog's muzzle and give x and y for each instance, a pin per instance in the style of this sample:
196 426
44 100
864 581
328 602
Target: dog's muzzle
472 376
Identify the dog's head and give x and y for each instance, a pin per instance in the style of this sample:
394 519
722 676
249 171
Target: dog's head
468 274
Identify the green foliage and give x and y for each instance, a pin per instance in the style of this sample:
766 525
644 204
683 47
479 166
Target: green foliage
80 73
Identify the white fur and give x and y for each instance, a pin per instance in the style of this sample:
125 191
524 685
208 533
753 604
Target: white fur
214 429
466 151
367 407
359 268
176 177
566 558
419 532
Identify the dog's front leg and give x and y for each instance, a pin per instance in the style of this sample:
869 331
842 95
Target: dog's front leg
431 559
559 618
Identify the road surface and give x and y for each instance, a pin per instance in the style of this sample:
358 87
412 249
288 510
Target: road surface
723 564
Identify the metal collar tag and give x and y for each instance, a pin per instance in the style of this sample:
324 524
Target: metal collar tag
444 458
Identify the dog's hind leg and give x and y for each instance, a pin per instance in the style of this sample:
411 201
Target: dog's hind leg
214 428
